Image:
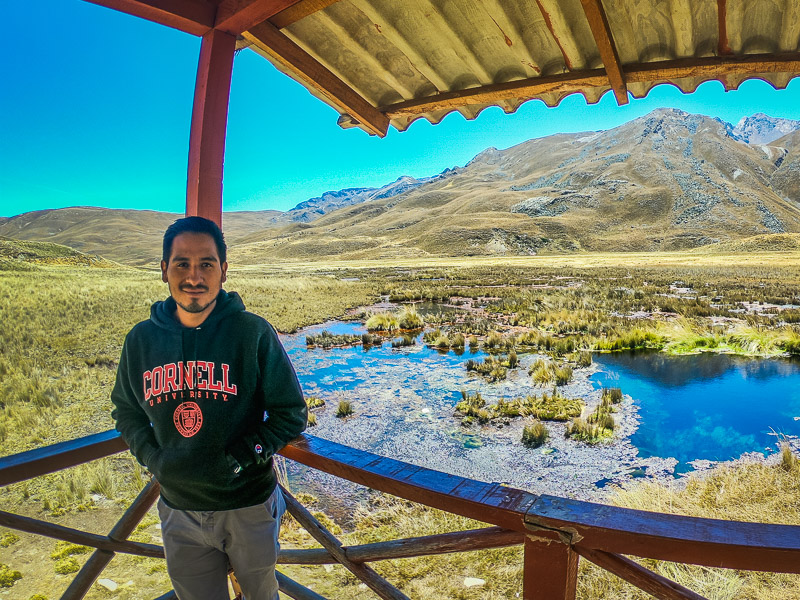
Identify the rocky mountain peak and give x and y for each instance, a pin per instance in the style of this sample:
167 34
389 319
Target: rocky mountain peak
763 129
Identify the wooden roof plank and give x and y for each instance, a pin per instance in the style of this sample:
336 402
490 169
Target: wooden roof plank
237 16
608 50
307 69
190 16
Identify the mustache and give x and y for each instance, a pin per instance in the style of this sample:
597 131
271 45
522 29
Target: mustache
193 288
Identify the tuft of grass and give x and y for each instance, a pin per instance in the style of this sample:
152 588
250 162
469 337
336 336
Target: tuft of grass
67 565
534 435
312 420
409 318
383 321
345 409
789 462
8 576
8 538
314 402
64 549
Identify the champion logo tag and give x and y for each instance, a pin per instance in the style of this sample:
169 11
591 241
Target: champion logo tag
259 449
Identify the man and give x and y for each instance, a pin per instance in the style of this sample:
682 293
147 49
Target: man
204 396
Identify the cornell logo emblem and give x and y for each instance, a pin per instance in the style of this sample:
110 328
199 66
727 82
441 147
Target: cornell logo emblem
188 418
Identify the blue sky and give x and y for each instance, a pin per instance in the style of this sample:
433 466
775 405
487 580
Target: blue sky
95 108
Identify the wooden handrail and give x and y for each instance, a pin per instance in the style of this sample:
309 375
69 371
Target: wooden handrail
40 461
693 540
598 532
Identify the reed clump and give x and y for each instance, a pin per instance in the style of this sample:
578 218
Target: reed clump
314 402
547 407
599 425
409 318
534 435
383 321
344 409
546 372
492 368
325 339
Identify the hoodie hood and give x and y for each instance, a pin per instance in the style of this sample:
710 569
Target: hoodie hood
162 313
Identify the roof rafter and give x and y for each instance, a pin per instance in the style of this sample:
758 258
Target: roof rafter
266 38
608 50
570 82
190 16
237 16
712 67
299 10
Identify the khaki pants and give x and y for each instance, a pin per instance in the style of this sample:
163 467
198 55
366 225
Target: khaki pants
200 545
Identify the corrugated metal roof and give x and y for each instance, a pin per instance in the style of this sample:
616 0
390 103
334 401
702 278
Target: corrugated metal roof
415 59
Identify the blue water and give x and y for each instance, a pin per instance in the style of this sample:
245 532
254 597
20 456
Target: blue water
706 406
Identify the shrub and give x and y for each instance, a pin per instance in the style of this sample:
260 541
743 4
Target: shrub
8 538
345 409
585 359
312 420
534 435
473 342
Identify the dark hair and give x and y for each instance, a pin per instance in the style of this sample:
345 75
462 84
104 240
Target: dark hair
194 225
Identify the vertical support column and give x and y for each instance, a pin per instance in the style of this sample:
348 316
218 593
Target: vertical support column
209 124
550 571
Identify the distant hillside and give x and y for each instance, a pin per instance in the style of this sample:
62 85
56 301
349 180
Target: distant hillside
17 255
776 242
666 181
330 201
126 236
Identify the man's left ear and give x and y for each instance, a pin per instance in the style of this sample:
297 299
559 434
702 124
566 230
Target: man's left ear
164 271
224 267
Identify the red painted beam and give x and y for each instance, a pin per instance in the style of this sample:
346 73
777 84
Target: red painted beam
209 124
192 16
237 16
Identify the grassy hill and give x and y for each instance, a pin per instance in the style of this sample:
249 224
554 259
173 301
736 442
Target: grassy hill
19 255
126 236
778 242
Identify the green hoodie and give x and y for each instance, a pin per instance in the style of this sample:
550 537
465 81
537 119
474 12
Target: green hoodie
205 408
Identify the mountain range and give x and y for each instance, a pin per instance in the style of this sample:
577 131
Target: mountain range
666 181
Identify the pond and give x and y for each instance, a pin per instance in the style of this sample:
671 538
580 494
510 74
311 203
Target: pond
706 406
712 407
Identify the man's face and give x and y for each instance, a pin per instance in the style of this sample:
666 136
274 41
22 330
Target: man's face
195 276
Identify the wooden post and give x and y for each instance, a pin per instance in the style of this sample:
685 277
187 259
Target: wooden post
209 123
550 571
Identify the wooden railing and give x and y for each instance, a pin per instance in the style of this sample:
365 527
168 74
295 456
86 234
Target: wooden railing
554 531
